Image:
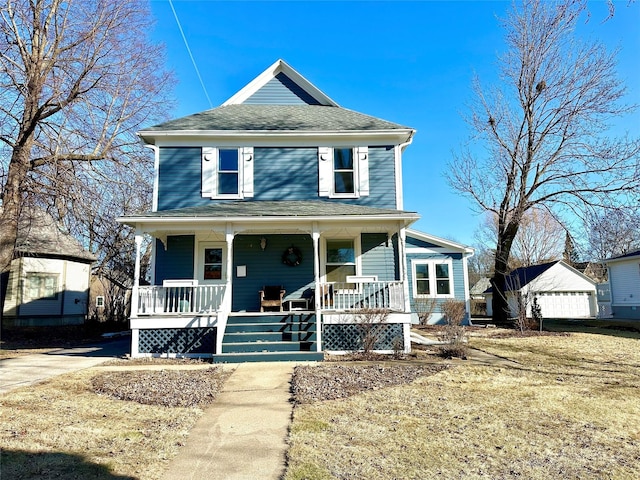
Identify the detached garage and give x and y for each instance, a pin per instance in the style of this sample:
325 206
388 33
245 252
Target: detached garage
561 291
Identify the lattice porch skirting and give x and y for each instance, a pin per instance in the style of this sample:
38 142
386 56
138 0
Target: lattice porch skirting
177 340
348 337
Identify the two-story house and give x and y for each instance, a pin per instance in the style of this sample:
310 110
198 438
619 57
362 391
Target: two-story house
278 226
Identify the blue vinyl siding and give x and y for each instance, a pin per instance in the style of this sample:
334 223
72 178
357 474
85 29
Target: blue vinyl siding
382 179
285 173
281 90
266 268
414 242
179 178
379 256
279 174
176 262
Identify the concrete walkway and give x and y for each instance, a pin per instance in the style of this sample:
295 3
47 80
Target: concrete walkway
243 435
29 369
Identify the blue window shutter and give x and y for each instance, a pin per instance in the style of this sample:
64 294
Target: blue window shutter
247 171
209 160
325 171
362 156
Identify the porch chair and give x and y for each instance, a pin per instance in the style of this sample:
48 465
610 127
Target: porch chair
271 296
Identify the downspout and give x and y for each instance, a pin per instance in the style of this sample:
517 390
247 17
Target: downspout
156 175
398 165
466 282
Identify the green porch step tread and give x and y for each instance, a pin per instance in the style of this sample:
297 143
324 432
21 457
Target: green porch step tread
269 357
283 346
283 336
269 327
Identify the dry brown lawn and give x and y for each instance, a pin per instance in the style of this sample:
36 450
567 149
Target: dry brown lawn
569 408
75 426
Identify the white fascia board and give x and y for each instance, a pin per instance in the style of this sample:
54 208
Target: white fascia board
426 237
270 73
168 222
631 258
276 138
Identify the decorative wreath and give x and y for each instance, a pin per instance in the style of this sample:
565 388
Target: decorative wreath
292 256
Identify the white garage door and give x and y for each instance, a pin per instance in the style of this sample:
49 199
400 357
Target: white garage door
565 304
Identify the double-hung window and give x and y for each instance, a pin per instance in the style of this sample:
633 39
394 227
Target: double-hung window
227 172
432 278
340 260
343 172
42 286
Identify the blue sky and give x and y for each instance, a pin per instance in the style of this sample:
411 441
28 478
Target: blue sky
407 62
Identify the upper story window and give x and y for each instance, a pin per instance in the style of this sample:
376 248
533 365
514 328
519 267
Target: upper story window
432 278
227 172
343 172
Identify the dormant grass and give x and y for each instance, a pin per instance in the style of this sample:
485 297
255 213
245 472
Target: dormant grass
62 429
570 408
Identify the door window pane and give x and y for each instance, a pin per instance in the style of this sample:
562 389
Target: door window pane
212 264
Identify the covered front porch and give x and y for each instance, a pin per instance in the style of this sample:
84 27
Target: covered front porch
211 271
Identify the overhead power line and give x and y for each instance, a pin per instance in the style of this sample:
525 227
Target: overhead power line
193 60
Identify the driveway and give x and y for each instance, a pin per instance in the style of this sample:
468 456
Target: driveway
30 369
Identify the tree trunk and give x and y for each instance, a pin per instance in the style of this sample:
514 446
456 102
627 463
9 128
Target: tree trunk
499 301
12 203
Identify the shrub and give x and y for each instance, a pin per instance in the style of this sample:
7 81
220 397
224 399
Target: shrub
453 335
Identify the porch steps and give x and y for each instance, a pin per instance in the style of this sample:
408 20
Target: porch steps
274 337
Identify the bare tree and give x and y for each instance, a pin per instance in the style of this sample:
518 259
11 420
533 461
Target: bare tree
543 127
613 231
77 79
540 238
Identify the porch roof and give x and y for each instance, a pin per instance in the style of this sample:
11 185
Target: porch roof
272 210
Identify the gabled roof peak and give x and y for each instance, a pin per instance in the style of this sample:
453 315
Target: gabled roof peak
280 66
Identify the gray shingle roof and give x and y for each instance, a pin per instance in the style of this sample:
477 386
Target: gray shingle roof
309 118
283 208
39 234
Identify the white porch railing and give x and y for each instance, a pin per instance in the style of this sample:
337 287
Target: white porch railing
355 296
183 300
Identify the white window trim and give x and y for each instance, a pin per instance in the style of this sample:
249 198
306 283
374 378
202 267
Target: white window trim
209 175
100 301
327 186
433 286
198 267
357 247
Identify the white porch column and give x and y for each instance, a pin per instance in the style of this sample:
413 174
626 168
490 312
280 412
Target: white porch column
402 252
134 295
227 294
227 299
315 236
136 276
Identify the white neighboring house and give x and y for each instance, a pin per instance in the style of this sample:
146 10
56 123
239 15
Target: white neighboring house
624 282
561 291
48 282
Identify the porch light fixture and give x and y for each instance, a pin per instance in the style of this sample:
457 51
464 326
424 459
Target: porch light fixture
263 243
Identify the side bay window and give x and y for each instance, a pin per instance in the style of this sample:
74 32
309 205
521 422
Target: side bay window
227 172
343 172
432 278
